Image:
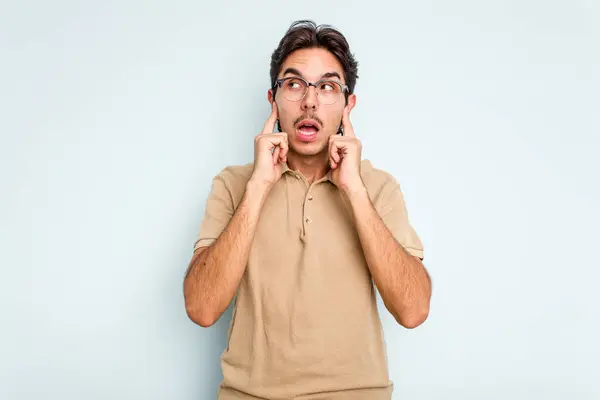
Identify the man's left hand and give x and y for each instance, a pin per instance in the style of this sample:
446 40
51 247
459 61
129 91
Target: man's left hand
345 157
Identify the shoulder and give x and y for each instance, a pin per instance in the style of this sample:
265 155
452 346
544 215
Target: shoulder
379 183
235 175
376 179
234 178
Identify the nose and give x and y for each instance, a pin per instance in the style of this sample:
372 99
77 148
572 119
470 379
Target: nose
310 100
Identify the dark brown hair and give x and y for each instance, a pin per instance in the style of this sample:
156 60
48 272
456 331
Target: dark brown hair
306 34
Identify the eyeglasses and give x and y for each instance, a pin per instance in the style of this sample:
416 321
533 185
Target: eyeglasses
328 91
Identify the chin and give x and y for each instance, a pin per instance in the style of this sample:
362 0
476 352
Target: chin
309 149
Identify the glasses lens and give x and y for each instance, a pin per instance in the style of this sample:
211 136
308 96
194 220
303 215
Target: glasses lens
329 92
293 89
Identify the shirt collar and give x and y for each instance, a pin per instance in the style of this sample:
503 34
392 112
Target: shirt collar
286 169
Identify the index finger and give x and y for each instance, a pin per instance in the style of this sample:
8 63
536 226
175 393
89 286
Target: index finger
348 129
270 124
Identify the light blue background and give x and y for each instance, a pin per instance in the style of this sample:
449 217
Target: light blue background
115 116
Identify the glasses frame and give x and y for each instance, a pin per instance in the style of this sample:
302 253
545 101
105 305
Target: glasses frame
345 88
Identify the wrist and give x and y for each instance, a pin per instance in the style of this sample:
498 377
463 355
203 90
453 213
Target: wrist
358 200
354 191
255 187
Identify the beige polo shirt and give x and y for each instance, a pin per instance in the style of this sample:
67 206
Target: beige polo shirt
305 321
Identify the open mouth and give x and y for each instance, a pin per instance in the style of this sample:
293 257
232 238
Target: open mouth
307 130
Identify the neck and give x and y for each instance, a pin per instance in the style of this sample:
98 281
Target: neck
312 167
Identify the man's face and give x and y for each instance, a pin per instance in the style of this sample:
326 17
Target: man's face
311 65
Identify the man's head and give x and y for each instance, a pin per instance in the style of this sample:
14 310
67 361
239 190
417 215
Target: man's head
316 55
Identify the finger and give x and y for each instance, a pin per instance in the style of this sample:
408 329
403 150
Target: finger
332 147
332 163
270 140
282 147
276 152
334 153
270 124
284 151
274 143
348 129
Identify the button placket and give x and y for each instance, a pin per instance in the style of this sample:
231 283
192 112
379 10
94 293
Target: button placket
306 209
305 218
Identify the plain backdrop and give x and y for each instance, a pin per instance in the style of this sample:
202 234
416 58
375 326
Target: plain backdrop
116 115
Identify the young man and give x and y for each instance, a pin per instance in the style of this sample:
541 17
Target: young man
300 237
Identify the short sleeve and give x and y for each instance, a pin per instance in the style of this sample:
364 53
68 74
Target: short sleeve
217 214
394 214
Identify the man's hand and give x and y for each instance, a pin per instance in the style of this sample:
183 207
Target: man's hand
344 158
270 150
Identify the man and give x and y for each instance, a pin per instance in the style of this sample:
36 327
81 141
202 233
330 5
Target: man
300 237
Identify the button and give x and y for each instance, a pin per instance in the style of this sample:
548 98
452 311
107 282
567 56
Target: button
310 197
308 220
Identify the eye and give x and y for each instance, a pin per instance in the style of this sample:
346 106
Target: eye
294 84
329 87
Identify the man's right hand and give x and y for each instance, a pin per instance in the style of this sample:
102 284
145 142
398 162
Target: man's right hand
270 151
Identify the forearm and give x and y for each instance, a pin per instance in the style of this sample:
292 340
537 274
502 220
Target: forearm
214 275
401 278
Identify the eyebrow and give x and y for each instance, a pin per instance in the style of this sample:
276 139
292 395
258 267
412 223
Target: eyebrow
331 75
294 71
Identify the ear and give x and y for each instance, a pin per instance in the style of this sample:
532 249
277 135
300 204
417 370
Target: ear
270 96
351 102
